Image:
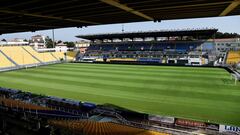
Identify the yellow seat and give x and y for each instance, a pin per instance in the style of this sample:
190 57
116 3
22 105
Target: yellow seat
59 55
101 128
70 56
43 57
4 62
20 104
233 57
19 55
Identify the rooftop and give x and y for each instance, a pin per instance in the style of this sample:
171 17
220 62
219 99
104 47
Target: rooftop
204 33
32 15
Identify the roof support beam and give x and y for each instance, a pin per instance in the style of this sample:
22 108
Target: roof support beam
15 30
187 6
22 3
230 8
47 17
126 8
27 25
62 8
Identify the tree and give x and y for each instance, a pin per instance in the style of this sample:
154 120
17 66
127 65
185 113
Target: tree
59 41
227 35
4 40
49 42
70 44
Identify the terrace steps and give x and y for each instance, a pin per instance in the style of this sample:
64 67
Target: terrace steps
101 128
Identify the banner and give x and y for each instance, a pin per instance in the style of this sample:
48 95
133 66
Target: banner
225 128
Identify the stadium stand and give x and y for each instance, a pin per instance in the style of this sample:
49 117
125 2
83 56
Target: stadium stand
20 104
58 55
44 57
158 47
101 128
70 56
181 52
15 57
233 57
19 55
4 62
76 117
12 57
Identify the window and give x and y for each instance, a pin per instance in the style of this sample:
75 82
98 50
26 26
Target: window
227 44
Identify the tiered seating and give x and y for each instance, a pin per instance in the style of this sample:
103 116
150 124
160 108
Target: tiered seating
26 55
101 128
139 49
44 57
60 55
71 55
20 104
19 55
233 57
146 46
4 62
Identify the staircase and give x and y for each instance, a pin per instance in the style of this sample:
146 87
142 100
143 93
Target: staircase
32 55
9 59
225 58
54 56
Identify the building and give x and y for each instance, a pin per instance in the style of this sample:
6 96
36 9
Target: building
82 45
225 45
15 42
38 42
61 47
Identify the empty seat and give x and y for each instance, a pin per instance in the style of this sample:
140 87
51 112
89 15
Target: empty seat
101 128
4 62
44 57
20 104
233 57
19 55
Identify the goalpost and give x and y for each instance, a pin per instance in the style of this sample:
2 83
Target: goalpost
235 77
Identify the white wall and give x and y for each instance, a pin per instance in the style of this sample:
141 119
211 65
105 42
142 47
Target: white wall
61 48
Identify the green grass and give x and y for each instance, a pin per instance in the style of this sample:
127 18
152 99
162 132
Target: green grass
194 93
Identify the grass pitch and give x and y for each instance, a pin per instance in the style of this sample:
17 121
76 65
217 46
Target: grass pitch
194 93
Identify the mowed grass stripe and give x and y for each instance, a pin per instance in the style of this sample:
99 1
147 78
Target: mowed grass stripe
147 69
133 79
204 114
203 94
155 94
108 84
119 94
144 67
127 77
140 73
167 99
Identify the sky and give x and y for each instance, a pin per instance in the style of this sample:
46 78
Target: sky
229 24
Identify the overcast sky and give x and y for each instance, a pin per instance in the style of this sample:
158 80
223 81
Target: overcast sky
224 24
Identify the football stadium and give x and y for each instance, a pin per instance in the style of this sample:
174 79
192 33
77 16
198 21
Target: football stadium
162 82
